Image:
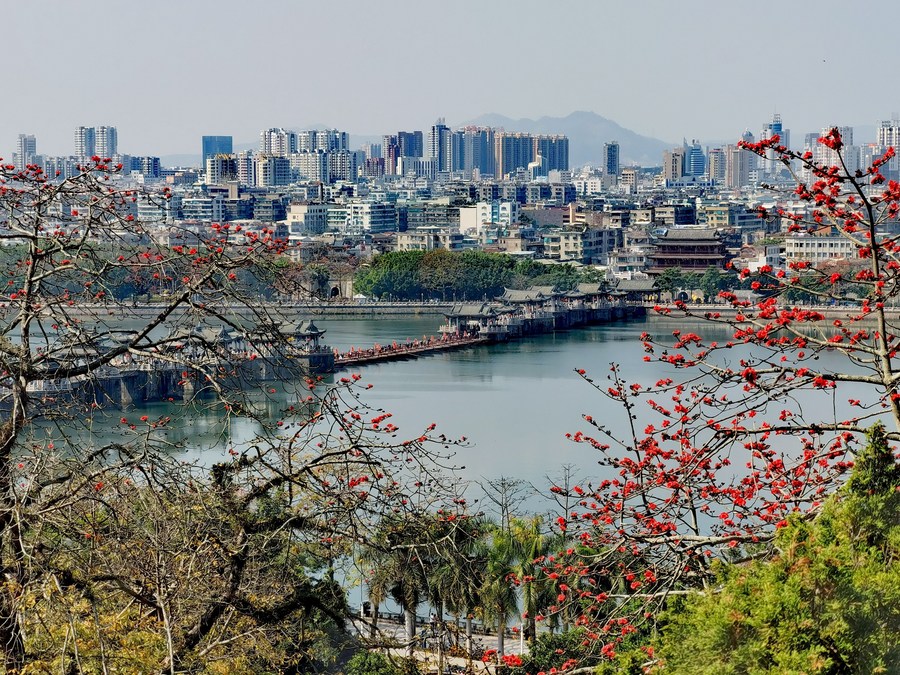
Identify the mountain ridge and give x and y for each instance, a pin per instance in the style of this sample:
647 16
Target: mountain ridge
587 132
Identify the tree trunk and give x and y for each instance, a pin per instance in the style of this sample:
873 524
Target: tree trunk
11 639
501 635
410 616
373 628
469 641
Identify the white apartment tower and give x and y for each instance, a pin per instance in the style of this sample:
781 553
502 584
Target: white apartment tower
277 142
26 149
889 134
107 141
85 143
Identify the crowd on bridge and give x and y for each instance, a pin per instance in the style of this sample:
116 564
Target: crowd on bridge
398 349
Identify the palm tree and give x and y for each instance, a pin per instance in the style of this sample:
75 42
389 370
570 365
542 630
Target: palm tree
456 579
498 593
398 570
531 542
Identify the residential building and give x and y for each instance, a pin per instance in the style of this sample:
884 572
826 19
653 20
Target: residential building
221 168
629 262
310 165
277 142
497 213
584 245
673 164
737 167
246 167
343 165
715 167
630 180
106 140
554 152
429 239
512 151
272 170
439 146
390 151
306 219
202 208
85 143
473 151
372 217
888 134
26 149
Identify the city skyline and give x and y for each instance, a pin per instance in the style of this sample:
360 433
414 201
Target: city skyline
697 70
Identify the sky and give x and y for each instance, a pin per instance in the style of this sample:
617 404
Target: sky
169 71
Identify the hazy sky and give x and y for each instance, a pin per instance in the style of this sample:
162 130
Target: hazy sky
168 71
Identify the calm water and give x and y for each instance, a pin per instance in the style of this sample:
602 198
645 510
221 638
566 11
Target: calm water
514 402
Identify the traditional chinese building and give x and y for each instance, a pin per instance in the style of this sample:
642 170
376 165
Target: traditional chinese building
691 249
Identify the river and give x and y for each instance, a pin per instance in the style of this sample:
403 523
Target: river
514 402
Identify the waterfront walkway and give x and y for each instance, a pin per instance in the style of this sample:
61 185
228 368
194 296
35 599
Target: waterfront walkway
391 636
404 350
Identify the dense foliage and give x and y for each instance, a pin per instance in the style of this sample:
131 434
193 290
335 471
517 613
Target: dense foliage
469 275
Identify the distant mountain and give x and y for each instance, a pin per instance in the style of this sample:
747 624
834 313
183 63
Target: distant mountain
587 132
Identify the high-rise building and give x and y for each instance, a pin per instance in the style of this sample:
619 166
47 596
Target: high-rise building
246 168
332 140
85 144
715 169
822 154
272 170
221 168
747 137
673 164
277 142
553 151
411 143
888 134
776 128
737 166
26 149
439 145
310 165
695 159
106 141
390 151
216 145
771 164
512 151
611 158
472 149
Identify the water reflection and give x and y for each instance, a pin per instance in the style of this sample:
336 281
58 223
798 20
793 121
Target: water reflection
514 401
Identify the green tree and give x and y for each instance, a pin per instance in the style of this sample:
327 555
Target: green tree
370 663
394 275
828 603
712 281
670 280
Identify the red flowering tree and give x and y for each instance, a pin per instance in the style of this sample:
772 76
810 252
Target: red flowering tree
107 540
746 430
